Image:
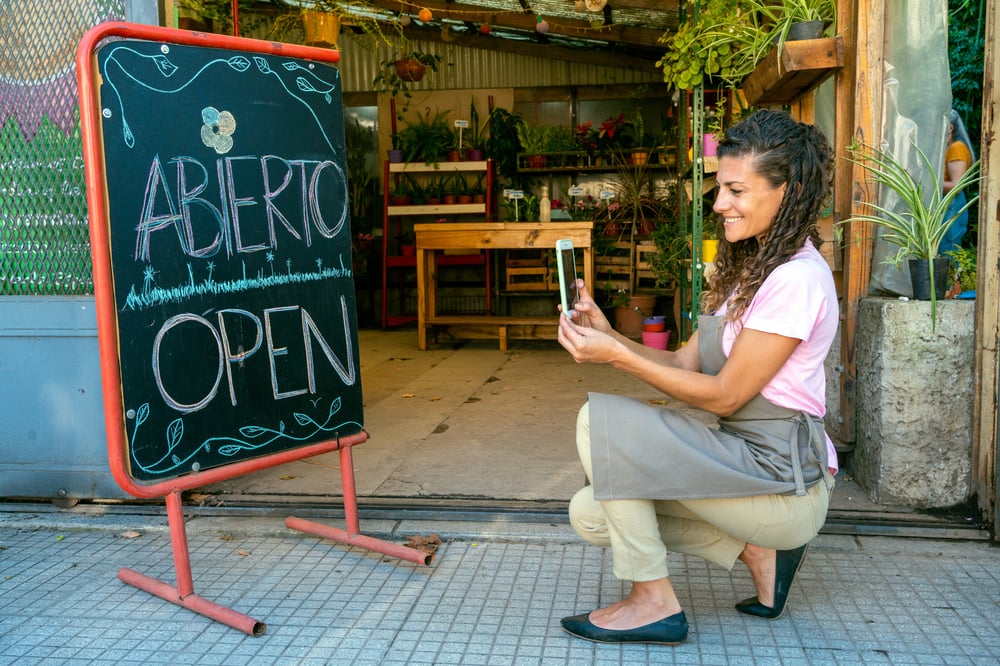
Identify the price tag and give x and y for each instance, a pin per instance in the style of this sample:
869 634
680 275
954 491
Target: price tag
576 191
461 123
515 194
607 194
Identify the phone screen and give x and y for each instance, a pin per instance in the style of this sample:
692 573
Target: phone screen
567 264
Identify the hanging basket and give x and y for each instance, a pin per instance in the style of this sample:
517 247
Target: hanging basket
322 29
410 69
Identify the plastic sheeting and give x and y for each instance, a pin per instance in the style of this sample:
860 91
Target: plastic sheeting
915 107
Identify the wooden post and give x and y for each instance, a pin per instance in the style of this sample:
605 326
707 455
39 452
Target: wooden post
987 377
861 23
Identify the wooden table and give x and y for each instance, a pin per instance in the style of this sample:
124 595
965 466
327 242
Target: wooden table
489 236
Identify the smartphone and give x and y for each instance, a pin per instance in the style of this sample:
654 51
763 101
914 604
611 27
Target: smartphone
566 264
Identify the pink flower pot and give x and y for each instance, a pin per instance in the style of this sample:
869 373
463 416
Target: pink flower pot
656 339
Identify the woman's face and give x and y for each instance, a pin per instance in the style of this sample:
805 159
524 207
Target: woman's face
745 200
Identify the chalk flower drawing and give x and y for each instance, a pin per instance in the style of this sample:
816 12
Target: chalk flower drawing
218 128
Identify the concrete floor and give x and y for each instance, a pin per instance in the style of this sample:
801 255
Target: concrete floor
467 425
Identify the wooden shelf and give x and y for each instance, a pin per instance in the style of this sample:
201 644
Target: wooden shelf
802 66
423 167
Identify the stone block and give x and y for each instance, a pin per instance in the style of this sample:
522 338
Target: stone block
914 401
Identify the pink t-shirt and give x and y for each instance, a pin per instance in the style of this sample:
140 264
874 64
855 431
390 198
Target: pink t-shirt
797 300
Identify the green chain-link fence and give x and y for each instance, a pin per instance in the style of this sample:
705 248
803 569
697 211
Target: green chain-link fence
44 238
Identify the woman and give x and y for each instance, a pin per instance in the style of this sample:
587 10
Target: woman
757 488
958 158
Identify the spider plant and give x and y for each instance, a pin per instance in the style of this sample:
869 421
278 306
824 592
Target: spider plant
918 223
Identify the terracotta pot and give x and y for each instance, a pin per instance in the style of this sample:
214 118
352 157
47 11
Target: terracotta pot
408 250
627 320
464 198
640 157
394 155
473 154
454 156
450 199
410 70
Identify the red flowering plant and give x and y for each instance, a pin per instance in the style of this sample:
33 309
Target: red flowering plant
614 133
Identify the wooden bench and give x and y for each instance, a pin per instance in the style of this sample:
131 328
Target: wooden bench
496 326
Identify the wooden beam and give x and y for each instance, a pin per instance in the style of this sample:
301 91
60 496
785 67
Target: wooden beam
859 117
987 375
630 36
486 42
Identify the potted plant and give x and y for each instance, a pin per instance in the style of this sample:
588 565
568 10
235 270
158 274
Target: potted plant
397 73
532 142
474 141
796 19
406 241
502 145
724 42
964 269
917 219
426 137
318 22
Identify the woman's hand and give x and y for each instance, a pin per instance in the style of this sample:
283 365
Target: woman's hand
587 312
588 335
587 344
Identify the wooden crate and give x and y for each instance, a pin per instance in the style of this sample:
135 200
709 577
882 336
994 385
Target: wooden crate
613 268
645 277
528 278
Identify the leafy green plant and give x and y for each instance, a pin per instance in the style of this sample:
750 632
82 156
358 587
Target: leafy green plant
917 226
531 138
672 248
559 139
964 260
781 15
425 137
725 42
502 144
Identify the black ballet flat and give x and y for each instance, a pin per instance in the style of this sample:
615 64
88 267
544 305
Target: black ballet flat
668 631
786 565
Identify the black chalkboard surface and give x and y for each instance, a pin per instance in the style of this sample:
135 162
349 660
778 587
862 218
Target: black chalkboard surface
231 254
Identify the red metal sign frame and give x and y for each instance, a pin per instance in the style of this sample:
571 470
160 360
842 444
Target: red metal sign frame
108 342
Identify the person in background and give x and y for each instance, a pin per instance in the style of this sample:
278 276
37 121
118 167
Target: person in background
958 157
756 489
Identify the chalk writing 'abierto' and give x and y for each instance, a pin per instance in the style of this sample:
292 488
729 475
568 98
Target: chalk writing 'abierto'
268 176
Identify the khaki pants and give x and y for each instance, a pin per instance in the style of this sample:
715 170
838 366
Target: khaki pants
641 531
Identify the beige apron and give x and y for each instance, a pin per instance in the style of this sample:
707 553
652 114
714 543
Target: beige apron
644 452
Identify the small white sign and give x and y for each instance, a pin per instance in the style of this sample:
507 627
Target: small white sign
461 123
515 194
576 191
607 194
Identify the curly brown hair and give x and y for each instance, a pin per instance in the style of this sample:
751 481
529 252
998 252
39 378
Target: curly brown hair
781 150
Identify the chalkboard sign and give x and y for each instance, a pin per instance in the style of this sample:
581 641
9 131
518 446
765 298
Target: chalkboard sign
231 254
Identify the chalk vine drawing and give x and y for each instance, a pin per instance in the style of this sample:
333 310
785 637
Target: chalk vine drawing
163 72
257 437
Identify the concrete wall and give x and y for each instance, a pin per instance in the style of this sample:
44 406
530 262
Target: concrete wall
914 401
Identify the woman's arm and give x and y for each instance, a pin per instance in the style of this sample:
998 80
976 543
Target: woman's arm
953 171
590 338
754 360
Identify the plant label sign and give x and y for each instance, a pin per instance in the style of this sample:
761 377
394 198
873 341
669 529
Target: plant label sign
230 251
